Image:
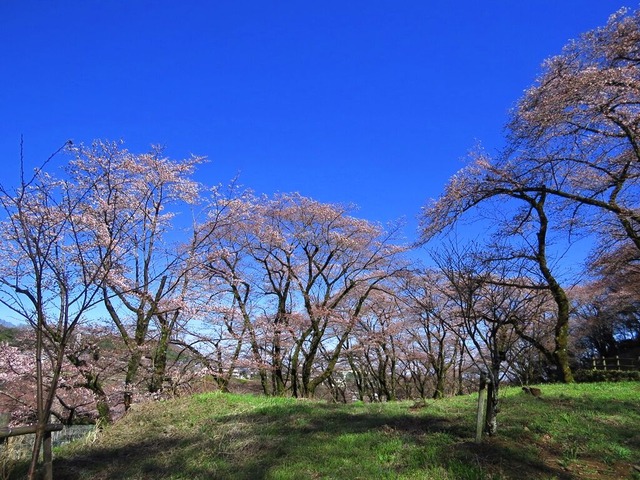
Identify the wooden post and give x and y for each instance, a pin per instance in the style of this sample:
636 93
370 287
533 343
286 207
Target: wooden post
593 362
6 432
482 406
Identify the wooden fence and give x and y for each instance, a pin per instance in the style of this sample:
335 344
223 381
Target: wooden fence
615 363
6 432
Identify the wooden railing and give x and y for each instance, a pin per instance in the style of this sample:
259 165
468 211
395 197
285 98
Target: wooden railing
6 432
615 363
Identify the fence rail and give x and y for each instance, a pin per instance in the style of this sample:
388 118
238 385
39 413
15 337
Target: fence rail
6 432
615 363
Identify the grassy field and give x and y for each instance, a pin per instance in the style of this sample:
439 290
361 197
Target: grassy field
584 431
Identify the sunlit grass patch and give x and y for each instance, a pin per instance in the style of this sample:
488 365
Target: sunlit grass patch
572 431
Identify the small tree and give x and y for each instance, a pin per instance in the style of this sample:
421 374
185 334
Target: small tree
486 306
49 278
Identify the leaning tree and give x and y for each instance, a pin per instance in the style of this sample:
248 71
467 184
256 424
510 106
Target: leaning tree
572 161
575 133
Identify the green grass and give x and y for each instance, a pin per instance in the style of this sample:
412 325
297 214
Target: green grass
574 431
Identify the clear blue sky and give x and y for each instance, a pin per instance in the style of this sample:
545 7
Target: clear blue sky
368 102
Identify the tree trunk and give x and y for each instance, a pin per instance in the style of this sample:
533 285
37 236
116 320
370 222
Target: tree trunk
160 361
491 419
277 375
440 369
560 354
42 421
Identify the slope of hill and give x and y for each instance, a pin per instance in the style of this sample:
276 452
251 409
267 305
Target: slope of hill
583 431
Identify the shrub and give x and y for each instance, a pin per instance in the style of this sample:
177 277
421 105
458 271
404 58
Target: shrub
588 376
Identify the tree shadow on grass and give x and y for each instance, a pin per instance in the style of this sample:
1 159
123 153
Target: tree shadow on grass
155 458
256 444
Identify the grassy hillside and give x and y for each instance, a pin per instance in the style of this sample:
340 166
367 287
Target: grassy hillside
573 431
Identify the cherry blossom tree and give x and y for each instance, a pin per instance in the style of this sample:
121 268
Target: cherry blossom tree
605 309
299 273
523 232
376 346
433 344
96 363
334 263
131 204
89 386
575 132
18 383
49 276
616 288
489 308
572 155
236 287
